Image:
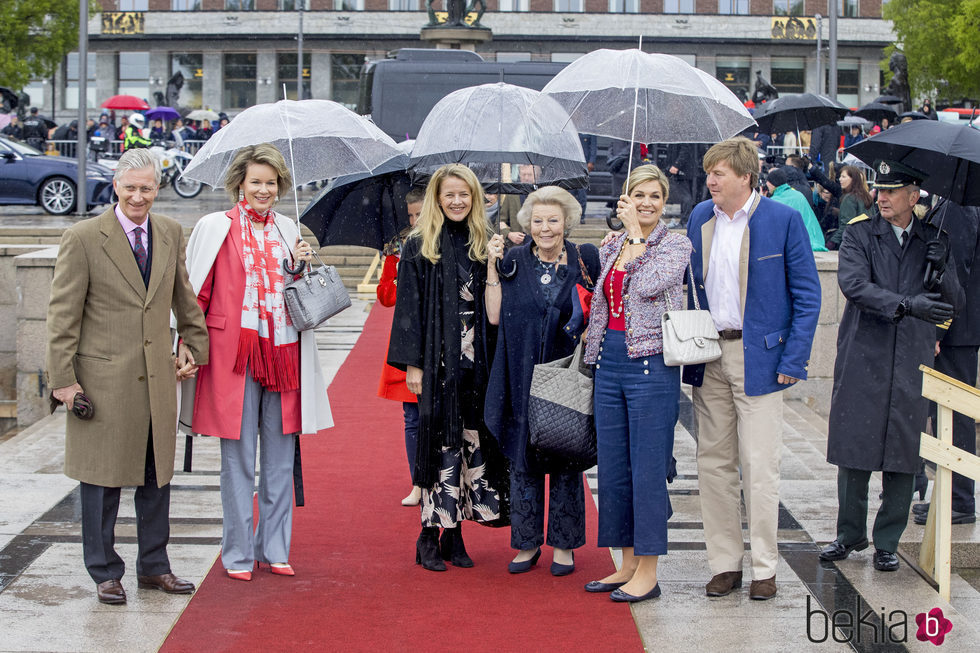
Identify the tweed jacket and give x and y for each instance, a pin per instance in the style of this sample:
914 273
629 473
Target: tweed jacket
110 332
658 270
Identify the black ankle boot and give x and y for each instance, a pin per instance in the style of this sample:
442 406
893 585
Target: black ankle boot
427 549
452 548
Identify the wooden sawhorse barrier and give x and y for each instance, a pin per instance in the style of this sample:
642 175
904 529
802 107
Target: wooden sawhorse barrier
367 285
950 395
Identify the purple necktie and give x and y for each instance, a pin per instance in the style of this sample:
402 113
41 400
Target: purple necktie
139 250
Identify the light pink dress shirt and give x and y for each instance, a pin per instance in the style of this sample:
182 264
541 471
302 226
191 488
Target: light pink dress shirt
721 284
128 226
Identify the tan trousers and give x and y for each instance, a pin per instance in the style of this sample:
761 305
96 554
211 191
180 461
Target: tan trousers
736 431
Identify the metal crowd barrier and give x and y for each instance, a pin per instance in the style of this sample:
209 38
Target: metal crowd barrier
115 148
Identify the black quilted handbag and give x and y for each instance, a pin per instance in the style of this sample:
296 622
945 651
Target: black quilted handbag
560 421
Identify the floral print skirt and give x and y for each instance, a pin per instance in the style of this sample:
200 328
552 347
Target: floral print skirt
463 491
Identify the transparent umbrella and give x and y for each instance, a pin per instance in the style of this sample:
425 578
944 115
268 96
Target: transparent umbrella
497 128
647 98
320 139
636 96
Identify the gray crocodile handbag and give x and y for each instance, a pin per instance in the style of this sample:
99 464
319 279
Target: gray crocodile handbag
315 297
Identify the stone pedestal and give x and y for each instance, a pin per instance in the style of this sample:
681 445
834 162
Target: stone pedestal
456 38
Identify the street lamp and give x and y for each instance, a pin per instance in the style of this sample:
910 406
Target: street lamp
81 185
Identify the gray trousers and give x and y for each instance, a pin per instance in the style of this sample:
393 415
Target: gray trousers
261 420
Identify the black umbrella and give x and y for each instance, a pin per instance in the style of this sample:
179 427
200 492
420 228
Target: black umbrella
8 98
363 209
798 113
949 154
876 111
914 115
888 99
48 123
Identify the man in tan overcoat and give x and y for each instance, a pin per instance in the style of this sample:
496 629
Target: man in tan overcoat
117 278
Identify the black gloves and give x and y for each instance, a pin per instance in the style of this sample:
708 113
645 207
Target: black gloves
928 307
936 253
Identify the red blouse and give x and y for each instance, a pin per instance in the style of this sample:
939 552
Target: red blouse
613 289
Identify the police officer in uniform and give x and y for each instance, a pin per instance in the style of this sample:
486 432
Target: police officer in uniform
35 130
134 137
887 330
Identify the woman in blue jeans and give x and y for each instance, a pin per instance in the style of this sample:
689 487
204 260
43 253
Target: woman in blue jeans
636 395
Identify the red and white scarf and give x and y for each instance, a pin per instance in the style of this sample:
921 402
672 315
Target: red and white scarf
269 344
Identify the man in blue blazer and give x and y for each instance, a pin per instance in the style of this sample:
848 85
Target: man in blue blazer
753 270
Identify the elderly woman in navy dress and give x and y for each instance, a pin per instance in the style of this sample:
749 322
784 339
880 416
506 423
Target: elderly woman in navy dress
636 395
537 324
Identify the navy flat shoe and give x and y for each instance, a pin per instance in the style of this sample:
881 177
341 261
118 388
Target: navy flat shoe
521 567
620 596
558 569
598 587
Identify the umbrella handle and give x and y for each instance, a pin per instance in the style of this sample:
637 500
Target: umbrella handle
297 270
612 222
930 280
509 274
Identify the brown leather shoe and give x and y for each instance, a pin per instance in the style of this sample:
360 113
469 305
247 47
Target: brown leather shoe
111 592
762 590
166 582
724 583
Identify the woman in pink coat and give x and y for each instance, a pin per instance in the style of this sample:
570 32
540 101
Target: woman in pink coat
263 380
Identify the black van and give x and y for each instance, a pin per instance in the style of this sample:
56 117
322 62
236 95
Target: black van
398 93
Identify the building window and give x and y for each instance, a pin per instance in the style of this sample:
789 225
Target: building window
345 72
569 6
733 72
286 67
403 5
847 8
39 92
789 74
848 82
191 68
348 5
787 7
510 57
294 5
239 5
733 7
678 6
624 6
240 73
514 5
185 5
134 74
71 78
565 57
133 5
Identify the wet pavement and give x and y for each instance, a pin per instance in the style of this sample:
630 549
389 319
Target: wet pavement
47 600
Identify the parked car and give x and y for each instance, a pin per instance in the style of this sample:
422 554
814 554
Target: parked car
29 177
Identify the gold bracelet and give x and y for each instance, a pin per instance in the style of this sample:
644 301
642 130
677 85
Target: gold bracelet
493 284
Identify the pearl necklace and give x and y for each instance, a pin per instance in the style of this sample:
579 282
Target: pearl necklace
547 277
612 296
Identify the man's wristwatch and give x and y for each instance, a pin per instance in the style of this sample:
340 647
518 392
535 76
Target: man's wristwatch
902 309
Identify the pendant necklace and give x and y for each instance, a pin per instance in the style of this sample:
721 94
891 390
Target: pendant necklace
548 269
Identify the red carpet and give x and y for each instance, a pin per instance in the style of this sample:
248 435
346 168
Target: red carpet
357 586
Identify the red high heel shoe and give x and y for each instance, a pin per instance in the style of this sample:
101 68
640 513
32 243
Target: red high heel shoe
234 574
282 569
